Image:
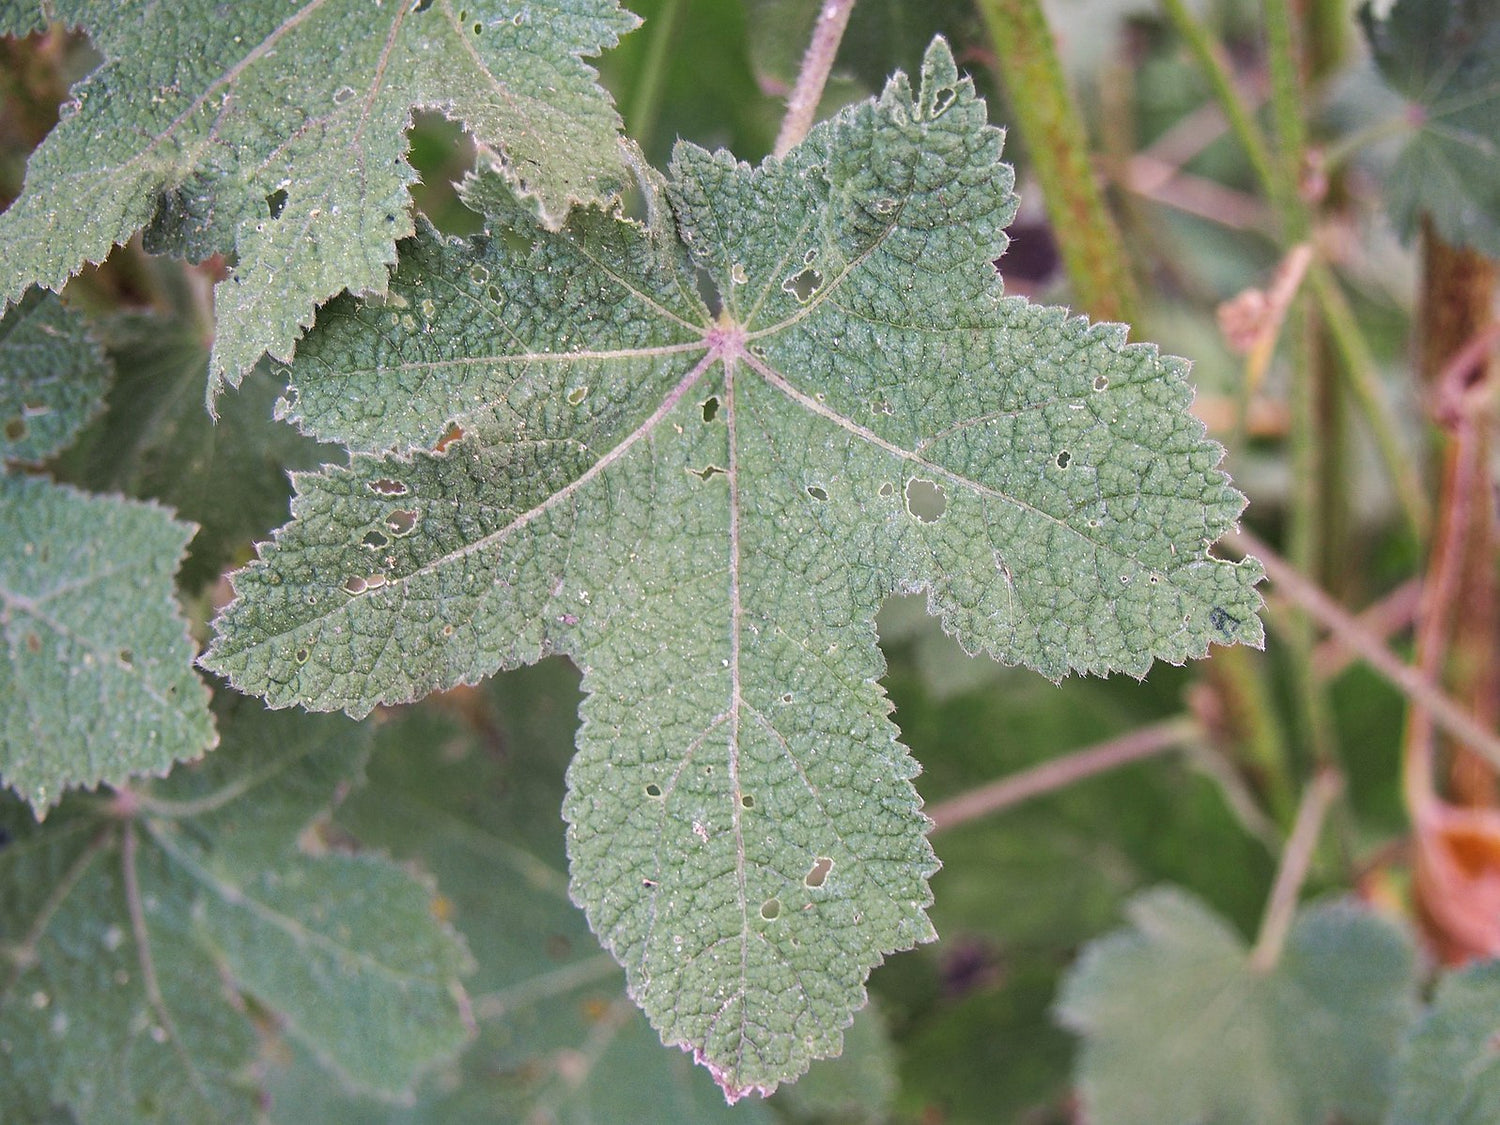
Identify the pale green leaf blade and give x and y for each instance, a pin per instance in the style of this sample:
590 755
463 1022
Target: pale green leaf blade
110 1002
1449 1072
97 683
1175 996
709 534
52 378
1445 59
278 136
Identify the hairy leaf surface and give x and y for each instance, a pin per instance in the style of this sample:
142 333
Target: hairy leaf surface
131 937
97 680
52 378
1445 58
704 510
276 133
1175 996
1449 1071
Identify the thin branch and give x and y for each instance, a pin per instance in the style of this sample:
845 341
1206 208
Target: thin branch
802 106
1064 771
1292 871
1342 624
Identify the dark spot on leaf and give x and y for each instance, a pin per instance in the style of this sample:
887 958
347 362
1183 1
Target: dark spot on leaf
455 433
15 429
747 801
401 521
276 203
710 408
127 658
387 487
558 946
33 643
1100 382
926 499
817 493
771 908
1221 620
803 285
706 472
819 873
1064 459
374 540
653 790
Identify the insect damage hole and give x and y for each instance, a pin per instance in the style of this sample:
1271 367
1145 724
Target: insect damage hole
926 499
276 203
387 487
653 790
1064 459
710 408
819 873
401 521
770 909
816 492
804 284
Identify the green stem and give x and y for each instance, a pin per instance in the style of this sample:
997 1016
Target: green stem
1296 858
1090 243
646 102
1287 103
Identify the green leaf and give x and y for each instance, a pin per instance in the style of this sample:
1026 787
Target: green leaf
1175 997
705 512
138 924
52 378
97 683
277 134
156 441
1445 59
1448 1072
477 804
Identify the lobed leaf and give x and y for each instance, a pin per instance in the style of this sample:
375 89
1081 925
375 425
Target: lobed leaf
134 928
704 510
276 134
1174 996
97 683
1448 1072
52 377
1445 59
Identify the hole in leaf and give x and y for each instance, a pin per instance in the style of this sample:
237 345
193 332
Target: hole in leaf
374 582
342 94
127 658
387 487
787 698
577 395
653 790
276 203
887 489
15 429
455 433
771 908
710 408
803 285
817 493
479 29
1100 382
374 540
705 472
302 655
401 521
422 5
1064 459
942 100
747 801
819 873
926 499
355 585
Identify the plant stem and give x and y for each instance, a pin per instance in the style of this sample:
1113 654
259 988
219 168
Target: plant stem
1296 858
1064 771
1341 624
1087 237
802 106
646 102
1287 102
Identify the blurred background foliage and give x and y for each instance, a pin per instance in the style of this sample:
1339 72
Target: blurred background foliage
468 786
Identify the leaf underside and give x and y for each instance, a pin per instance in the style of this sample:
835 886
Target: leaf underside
278 137
1176 997
567 452
1449 1071
52 378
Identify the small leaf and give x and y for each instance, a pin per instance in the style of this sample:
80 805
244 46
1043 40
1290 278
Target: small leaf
1449 1068
1175 997
278 136
137 925
97 683
1445 58
52 378
705 512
